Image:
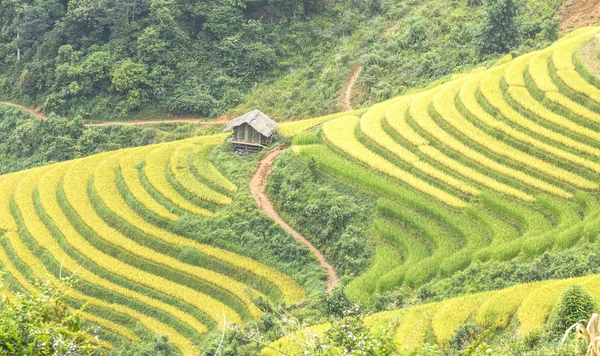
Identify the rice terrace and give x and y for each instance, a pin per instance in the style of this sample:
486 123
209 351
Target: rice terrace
266 195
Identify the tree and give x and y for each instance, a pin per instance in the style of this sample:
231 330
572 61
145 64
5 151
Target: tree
42 324
574 305
499 31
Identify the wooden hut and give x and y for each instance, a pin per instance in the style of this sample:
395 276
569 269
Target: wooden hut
252 131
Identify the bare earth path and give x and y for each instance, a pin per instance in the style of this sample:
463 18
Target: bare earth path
156 122
258 186
576 14
345 99
39 115
31 112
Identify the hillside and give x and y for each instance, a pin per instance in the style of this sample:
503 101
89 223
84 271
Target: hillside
137 229
123 60
489 166
452 209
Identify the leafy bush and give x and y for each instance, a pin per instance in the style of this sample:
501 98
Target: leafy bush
336 221
575 304
42 324
351 337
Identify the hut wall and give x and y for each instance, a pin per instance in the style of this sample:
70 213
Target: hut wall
245 133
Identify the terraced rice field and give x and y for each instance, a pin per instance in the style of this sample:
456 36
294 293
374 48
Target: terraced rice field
106 219
489 165
530 304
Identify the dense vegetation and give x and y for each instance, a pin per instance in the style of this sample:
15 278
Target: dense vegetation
462 218
107 59
337 220
475 179
26 142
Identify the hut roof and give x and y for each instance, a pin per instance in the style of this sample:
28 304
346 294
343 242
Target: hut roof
257 120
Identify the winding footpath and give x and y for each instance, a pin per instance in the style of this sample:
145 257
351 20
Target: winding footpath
258 186
345 98
40 115
34 113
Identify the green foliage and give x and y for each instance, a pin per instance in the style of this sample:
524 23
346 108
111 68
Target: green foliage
26 142
114 59
42 324
158 346
478 277
350 336
336 221
334 304
574 305
500 30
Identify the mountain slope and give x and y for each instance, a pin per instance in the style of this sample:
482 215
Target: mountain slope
491 165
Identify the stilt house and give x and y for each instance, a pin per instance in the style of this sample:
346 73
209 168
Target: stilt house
252 131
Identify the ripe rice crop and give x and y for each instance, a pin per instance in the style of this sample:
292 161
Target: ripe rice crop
419 111
293 128
562 58
490 89
211 307
572 106
452 314
530 302
340 133
496 311
396 118
131 177
157 162
181 170
153 325
467 97
522 97
105 183
538 69
574 81
514 75
24 200
536 307
7 187
202 167
371 126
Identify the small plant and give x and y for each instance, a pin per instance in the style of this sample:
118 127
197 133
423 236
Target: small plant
591 334
350 336
574 305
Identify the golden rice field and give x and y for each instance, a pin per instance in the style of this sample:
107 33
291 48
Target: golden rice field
489 165
530 304
105 220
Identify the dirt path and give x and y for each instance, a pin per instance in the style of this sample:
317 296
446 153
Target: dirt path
35 113
258 186
155 122
576 14
39 115
345 99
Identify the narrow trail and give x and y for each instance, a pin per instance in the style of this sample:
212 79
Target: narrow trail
345 99
155 122
39 115
35 113
258 186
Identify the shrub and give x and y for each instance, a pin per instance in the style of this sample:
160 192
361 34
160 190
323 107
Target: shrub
575 304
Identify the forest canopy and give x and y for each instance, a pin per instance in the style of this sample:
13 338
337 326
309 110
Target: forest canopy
108 59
